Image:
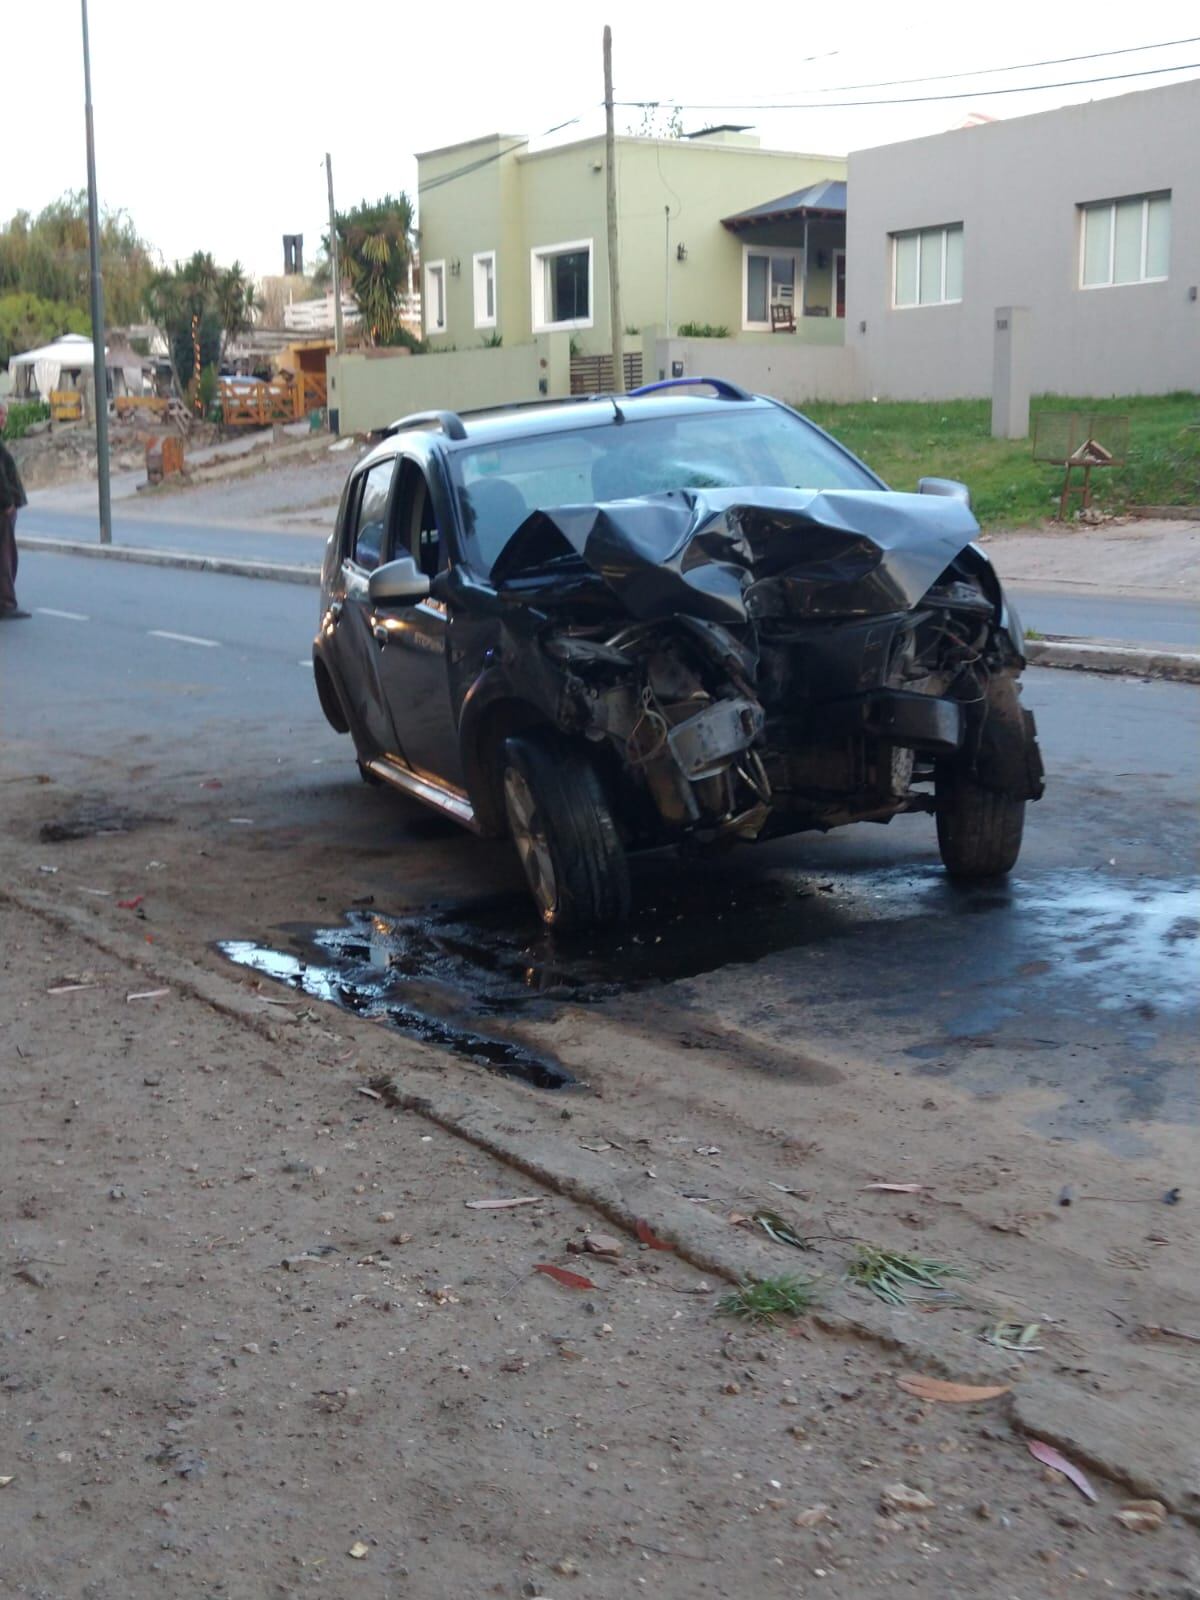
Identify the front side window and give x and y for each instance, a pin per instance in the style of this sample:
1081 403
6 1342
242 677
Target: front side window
371 528
927 266
561 286
485 289
435 297
1125 241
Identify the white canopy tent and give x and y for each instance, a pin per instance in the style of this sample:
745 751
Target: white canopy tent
63 365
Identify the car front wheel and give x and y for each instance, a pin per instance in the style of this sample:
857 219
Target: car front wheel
979 830
564 833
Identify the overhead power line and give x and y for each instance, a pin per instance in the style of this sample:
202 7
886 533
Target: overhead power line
1020 66
905 100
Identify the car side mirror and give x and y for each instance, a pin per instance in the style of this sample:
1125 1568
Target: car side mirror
398 583
950 488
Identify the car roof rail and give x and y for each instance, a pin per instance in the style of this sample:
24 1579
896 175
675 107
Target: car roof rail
725 389
449 422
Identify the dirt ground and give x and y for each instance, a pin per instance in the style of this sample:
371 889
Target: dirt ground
254 1342
1119 557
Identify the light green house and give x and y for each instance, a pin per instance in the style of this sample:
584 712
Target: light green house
713 230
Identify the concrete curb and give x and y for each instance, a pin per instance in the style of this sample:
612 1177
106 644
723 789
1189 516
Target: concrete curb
279 571
1080 655
1101 1433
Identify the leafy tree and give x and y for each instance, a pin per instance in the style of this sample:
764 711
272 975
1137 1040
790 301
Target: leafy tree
47 256
375 244
199 298
27 321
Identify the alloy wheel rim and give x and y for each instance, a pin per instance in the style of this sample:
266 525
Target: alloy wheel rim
529 836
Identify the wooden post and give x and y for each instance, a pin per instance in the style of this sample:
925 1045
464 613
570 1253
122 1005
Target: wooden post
614 272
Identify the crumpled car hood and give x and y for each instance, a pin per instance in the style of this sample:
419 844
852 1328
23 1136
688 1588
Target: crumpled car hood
730 555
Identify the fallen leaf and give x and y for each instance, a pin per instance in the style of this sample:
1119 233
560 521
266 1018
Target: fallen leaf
72 988
598 1148
371 1094
897 1188
916 1383
647 1235
357 1550
147 994
501 1205
1047 1454
211 783
569 1280
131 905
4 1482
782 1187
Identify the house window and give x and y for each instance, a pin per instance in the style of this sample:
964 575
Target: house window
927 266
1125 241
485 289
561 286
770 278
435 297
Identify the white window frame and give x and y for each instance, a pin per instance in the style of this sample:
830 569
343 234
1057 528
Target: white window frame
942 229
427 299
538 257
479 289
1111 205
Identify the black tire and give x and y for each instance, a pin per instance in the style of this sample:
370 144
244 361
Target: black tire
979 831
559 820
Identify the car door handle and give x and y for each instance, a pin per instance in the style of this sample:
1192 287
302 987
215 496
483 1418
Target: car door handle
381 633
335 610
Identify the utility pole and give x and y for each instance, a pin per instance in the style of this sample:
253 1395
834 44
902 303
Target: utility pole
338 342
614 271
99 370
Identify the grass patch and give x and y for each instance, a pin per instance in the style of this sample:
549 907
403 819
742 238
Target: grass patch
896 1278
907 440
768 1300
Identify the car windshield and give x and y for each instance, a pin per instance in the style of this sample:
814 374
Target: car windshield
500 484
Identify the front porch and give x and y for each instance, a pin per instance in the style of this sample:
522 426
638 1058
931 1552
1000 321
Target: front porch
793 280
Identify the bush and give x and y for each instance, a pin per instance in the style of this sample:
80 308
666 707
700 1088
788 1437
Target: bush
22 414
702 330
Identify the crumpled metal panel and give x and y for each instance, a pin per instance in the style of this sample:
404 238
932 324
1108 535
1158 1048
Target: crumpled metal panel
730 555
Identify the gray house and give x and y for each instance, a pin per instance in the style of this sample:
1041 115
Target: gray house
1088 215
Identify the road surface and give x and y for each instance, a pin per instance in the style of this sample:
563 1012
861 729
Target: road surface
146 683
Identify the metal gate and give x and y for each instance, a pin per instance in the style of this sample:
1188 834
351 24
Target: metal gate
594 374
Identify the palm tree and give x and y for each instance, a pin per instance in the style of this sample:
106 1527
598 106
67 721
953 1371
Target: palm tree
374 244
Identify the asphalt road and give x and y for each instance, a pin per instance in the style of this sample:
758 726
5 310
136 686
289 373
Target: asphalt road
1075 978
1173 624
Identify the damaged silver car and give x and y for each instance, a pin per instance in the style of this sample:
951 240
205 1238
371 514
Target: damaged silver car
669 617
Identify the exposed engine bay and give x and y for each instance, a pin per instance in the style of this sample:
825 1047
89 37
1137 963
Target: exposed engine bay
744 667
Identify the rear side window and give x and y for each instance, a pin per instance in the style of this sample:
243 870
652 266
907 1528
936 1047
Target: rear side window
369 541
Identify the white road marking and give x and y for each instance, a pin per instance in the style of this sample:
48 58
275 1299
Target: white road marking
184 638
67 616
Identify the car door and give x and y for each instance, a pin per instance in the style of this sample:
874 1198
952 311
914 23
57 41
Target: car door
366 544
414 639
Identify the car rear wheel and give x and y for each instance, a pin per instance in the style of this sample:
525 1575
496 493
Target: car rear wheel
979 831
565 836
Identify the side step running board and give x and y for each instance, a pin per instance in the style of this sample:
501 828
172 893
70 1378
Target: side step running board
454 805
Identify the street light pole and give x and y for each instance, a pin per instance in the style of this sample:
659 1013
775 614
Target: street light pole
99 370
338 337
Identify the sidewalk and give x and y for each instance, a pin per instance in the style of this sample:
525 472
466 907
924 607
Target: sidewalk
256 1340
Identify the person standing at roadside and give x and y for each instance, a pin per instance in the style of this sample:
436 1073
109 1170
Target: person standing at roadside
12 498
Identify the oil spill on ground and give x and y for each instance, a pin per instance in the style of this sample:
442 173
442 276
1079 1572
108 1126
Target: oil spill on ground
371 990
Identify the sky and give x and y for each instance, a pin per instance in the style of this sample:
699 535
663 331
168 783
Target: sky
212 119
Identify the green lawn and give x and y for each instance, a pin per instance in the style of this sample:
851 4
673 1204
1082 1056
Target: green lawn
904 441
